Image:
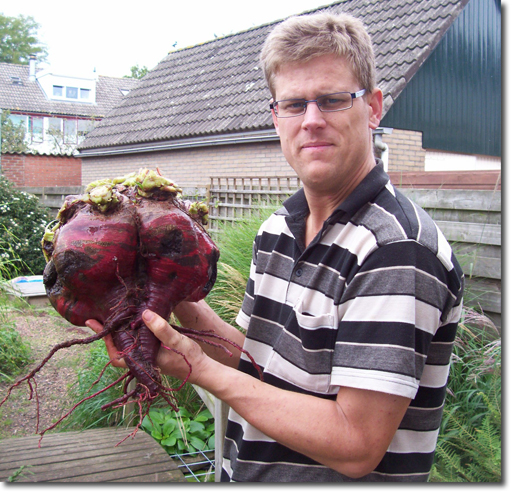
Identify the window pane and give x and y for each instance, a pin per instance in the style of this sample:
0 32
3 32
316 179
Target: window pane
72 92
84 93
57 90
70 131
55 124
84 126
36 129
18 120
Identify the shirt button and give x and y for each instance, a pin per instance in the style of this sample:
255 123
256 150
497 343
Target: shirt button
299 272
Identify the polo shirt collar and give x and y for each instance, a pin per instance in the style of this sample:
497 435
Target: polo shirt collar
365 191
297 208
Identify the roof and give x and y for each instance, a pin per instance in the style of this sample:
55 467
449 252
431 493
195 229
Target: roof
19 94
218 88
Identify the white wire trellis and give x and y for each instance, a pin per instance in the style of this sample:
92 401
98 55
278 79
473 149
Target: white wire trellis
197 469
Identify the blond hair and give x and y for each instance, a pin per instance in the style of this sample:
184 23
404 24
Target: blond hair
302 38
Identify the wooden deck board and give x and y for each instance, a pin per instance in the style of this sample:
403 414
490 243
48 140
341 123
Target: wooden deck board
89 456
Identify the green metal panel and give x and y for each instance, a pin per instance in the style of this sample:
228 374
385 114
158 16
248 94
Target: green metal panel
455 97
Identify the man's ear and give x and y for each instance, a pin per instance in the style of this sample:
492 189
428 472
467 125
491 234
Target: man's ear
375 108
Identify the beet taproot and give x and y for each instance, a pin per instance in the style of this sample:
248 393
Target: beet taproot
124 246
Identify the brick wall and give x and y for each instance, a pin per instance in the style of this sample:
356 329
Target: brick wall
34 170
405 151
193 167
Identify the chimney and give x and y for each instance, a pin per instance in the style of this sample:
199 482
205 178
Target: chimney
32 68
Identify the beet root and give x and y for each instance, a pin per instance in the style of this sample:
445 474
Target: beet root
124 246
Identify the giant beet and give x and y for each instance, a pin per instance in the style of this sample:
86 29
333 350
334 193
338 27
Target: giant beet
124 246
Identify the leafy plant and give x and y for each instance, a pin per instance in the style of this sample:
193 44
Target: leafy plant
22 225
19 473
181 432
15 354
469 444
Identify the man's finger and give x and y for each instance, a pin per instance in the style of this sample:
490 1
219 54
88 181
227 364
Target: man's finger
109 343
93 324
161 329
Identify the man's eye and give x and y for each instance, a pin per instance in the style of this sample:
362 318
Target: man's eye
293 105
334 102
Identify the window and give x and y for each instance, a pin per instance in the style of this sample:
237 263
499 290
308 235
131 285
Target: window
55 124
54 131
36 129
71 92
85 93
58 91
70 131
83 127
18 120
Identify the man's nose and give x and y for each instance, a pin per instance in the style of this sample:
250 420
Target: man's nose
313 115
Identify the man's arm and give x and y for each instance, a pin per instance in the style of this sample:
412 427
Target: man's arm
350 434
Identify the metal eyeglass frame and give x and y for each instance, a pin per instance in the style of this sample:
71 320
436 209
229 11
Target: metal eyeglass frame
274 105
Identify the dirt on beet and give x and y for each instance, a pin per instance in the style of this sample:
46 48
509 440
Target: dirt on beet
42 330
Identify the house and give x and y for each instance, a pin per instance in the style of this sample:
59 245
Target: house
204 110
57 110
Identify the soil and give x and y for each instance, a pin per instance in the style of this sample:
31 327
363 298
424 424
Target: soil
42 329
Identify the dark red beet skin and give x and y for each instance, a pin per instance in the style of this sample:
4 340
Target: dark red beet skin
142 253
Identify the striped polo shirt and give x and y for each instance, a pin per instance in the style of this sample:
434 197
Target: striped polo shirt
372 303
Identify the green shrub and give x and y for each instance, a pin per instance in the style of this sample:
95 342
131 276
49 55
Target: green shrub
469 444
14 352
22 225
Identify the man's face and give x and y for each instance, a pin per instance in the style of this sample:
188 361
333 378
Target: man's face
326 150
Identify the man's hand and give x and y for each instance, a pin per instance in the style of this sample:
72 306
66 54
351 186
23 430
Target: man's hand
178 356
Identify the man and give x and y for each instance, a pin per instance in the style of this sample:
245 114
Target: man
354 295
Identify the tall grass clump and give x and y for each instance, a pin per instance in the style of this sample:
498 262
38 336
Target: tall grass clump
15 354
469 444
235 242
89 414
22 225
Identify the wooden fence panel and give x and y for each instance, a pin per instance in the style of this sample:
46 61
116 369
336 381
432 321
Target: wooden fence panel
234 198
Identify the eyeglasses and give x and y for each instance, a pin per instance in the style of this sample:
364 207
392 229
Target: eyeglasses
286 108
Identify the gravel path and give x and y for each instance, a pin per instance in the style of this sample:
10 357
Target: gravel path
42 330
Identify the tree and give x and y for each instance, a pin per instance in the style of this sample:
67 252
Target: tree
18 40
137 72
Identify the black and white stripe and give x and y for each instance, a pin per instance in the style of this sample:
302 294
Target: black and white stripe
373 302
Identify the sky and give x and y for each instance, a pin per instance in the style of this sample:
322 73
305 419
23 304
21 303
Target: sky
111 36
